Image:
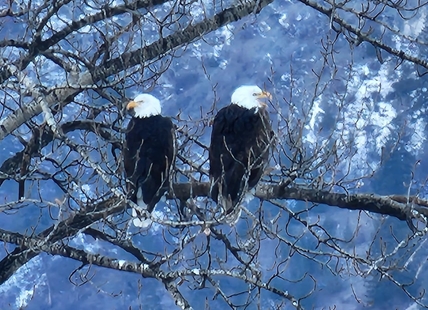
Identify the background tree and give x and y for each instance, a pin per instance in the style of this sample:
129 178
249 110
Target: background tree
340 217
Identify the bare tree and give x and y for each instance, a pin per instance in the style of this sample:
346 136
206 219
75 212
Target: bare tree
68 67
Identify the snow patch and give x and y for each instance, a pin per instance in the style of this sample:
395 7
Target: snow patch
25 283
414 26
417 139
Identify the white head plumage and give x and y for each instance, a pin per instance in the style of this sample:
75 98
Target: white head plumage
247 96
145 105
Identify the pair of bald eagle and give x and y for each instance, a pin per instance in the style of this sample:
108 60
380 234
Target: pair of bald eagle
240 142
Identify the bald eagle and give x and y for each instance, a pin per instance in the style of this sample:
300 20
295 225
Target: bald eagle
149 152
240 145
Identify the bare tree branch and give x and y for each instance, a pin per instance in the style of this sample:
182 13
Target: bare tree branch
393 205
66 93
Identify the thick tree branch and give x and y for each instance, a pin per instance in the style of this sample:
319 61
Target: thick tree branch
66 93
168 278
66 228
387 205
38 46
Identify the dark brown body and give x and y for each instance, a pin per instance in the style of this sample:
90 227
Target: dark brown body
149 156
239 151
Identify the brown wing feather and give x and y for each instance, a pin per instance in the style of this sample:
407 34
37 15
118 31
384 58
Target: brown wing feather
149 156
239 151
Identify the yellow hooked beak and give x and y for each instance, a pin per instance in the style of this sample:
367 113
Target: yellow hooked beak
264 94
132 104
